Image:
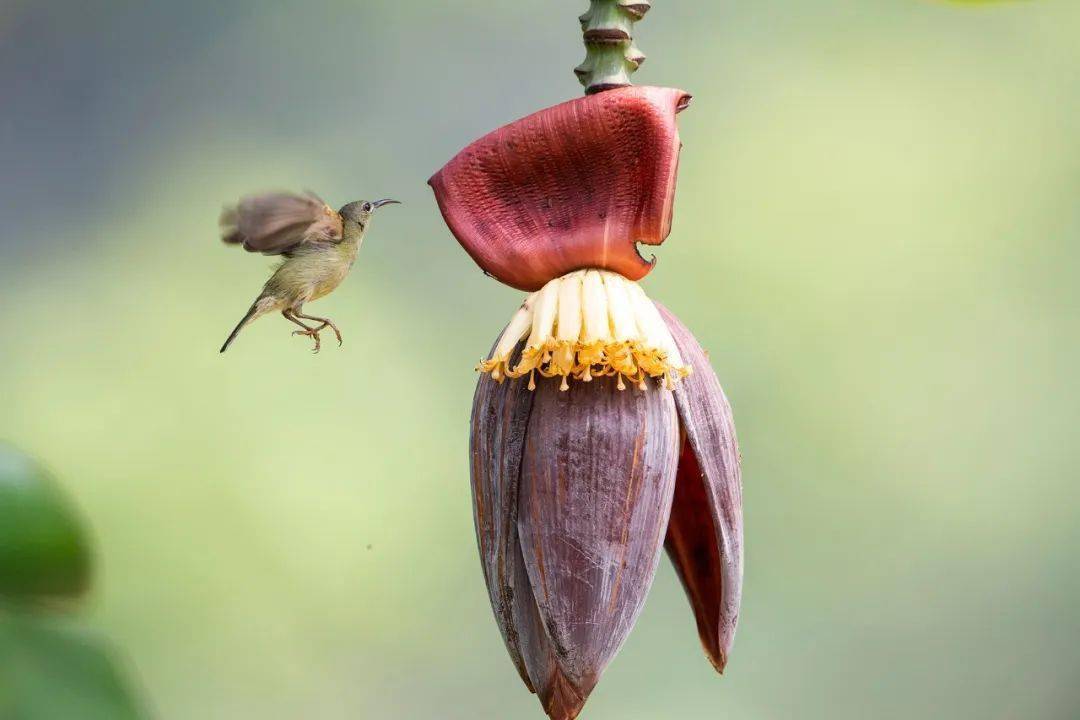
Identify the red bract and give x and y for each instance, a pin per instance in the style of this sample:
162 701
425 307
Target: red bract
705 536
573 186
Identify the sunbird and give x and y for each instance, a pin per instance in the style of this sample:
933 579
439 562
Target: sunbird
318 245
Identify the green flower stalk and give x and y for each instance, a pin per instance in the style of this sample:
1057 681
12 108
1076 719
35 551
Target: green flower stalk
610 53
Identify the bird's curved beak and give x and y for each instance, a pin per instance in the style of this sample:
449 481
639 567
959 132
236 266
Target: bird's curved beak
385 201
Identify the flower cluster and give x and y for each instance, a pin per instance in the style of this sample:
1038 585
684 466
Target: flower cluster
586 324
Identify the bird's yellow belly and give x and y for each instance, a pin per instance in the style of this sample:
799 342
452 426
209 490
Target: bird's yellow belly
311 275
327 284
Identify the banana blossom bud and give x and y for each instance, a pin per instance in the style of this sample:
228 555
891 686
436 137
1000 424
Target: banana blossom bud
577 486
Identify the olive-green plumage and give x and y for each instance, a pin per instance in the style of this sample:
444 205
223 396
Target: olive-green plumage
319 248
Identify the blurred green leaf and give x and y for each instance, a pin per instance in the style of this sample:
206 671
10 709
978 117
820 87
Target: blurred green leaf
43 546
49 672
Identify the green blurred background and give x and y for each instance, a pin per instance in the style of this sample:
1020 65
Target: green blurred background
877 237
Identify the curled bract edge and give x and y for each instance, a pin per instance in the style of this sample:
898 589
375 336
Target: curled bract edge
577 185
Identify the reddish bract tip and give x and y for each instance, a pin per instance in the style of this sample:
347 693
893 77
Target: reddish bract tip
573 186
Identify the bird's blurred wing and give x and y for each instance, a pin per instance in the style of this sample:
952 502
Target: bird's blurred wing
275 223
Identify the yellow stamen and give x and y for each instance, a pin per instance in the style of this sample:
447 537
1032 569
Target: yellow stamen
586 324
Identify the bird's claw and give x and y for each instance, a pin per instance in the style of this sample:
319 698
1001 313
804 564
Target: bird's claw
337 333
314 335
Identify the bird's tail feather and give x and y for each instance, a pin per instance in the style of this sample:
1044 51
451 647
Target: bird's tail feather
259 307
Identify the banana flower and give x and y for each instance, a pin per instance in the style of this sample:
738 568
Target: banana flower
600 434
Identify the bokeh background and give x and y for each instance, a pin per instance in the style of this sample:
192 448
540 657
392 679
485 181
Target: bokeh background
877 237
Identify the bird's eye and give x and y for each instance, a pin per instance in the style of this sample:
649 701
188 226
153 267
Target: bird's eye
366 207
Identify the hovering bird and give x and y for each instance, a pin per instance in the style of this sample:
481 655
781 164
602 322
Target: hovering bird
318 244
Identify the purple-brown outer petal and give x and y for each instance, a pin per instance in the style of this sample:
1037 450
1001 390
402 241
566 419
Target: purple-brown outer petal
499 417
572 186
597 478
705 534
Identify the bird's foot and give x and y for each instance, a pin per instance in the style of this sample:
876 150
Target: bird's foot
314 335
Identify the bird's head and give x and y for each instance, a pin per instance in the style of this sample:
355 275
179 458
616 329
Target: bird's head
360 212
